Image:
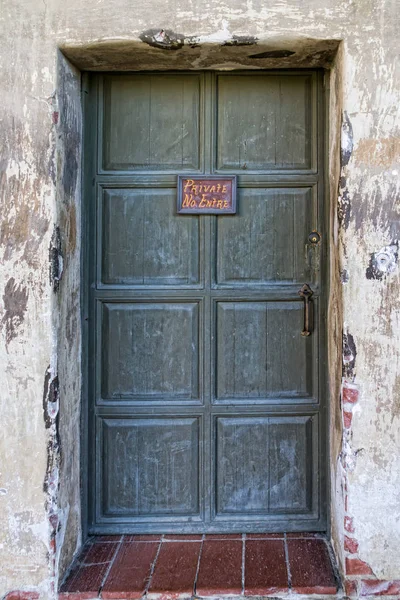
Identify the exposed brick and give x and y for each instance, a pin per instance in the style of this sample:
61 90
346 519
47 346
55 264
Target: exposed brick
349 524
351 587
350 545
21 595
347 417
355 566
349 394
76 595
374 587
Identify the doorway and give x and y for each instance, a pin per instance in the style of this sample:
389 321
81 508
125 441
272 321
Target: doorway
207 401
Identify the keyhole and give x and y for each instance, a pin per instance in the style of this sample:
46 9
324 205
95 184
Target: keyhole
314 237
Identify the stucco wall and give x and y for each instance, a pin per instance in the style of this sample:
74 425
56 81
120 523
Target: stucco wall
40 129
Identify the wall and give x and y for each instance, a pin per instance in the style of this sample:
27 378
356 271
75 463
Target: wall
40 206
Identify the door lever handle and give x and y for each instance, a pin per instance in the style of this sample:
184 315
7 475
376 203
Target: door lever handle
306 292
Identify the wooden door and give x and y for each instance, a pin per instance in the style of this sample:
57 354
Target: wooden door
206 404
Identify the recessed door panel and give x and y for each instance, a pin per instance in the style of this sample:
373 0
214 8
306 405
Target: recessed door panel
144 243
150 351
265 465
151 467
265 122
260 353
151 122
266 241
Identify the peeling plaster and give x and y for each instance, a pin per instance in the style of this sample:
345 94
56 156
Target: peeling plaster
15 302
346 140
164 39
383 262
56 260
349 356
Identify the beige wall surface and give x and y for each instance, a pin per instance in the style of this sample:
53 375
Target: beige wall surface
40 157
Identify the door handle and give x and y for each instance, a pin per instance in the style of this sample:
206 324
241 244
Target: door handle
306 293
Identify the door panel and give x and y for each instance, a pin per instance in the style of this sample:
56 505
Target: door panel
265 465
206 404
164 249
266 240
150 467
264 122
260 354
136 109
150 351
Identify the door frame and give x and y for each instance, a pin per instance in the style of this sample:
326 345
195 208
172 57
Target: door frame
90 141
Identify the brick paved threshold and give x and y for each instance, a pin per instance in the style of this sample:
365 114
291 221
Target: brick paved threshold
169 567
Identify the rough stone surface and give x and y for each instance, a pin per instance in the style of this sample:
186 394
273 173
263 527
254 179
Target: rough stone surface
40 129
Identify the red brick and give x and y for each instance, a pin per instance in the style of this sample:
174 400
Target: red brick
302 534
142 538
224 536
21 595
355 566
347 417
374 587
86 579
349 524
265 536
350 545
349 394
106 538
183 538
76 595
175 569
98 553
310 567
265 567
130 571
220 568
351 587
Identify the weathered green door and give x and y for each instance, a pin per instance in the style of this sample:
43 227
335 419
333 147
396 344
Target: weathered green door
206 403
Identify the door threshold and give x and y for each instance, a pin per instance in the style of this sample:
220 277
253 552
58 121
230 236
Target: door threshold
168 567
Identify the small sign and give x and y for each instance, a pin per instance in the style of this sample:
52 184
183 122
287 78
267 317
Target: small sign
213 195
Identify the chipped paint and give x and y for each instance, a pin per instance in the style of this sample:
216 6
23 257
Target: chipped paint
164 39
383 262
15 303
349 356
56 260
346 140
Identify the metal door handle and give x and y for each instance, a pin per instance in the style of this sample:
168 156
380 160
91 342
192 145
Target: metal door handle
306 292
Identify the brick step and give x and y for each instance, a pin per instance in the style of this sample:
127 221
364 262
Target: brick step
179 566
